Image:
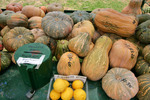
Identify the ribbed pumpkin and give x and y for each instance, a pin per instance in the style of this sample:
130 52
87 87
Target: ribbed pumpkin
80 44
143 32
120 84
123 54
83 26
68 64
143 17
52 45
96 63
55 7
144 85
43 8
62 47
37 33
43 39
146 53
3 17
112 21
79 16
17 37
35 22
14 7
142 67
17 20
133 8
5 30
5 59
113 37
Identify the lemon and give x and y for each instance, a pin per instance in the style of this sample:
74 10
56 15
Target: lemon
67 83
67 94
54 95
79 94
59 85
77 84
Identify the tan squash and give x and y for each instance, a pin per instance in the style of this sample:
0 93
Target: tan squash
96 63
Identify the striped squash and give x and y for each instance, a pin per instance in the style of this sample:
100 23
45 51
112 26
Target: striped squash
146 53
142 67
144 87
80 44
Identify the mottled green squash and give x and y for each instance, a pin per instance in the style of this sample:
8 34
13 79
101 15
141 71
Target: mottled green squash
142 18
144 87
62 47
96 63
146 53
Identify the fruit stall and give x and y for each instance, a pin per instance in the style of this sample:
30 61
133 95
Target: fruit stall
48 53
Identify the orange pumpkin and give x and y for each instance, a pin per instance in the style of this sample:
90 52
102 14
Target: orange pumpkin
68 64
4 30
123 54
14 7
55 7
112 21
35 22
37 33
43 8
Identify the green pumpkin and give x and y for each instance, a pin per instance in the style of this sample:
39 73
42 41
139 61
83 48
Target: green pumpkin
146 53
52 45
3 17
62 47
79 16
142 67
143 17
143 32
144 87
5 59
57 24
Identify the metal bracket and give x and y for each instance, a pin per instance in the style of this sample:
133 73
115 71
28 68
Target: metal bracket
30 94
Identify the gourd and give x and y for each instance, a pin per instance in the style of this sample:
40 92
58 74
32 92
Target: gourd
120 84
112 21
142 18
96 63
69 64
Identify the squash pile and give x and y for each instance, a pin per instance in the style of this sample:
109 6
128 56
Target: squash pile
102 45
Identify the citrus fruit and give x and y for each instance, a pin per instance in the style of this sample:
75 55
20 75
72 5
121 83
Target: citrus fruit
54 95
77 84
67 94
79 94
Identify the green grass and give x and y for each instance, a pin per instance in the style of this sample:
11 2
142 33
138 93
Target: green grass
88 5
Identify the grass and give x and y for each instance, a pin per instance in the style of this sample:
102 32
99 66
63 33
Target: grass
88 5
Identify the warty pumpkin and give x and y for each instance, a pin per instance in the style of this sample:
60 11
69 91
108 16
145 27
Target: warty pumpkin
57 24
35 22
17 20
112 21
80 44
123 54
133 8
96 63
17 37
120 84
14 7
68 64
146 53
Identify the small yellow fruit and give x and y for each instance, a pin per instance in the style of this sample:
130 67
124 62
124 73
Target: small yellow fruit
77 84
59 85
54 95
79 94
67 83
67 94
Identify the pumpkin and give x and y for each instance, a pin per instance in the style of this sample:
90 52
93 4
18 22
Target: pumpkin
5 59
96 35
1 11
37 33
146 10
5 30
31 11
146 53
1 43
143 32
17 20
62 47
144 85
80 44
3 17
43 8
142 67
79 16
43 39
14 7
112 21
68 64
35 22
96 63
52 45
57 24
91 46
123 54
133 8
55 7
142 18
16 38
120 84
83 26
